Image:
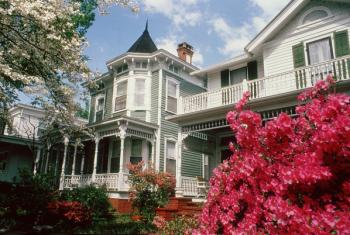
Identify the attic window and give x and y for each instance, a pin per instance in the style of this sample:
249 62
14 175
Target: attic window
315 14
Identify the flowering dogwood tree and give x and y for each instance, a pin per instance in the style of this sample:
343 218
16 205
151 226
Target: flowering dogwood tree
287 176
41 52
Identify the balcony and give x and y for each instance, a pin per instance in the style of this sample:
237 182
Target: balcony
294 80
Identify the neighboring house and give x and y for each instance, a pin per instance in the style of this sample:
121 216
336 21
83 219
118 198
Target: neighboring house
305 42
159 108
21 148
19 145
128 115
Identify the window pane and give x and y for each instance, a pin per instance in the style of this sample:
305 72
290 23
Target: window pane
170 152
135 160
172 88
140 92
120 103
100 104
172 104
136 148
237 76
115 148
319 51
115 164
122 88
171 166
315 15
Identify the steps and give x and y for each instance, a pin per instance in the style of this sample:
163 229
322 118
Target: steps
179 207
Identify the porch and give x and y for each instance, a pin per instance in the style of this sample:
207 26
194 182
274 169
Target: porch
290 81
103 161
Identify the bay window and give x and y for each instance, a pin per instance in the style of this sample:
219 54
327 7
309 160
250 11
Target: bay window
172 96
170 157
139 98
120 99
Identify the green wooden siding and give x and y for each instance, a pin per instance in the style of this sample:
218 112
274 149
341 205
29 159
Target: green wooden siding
170 129
341 41
138 114
109 98
154 97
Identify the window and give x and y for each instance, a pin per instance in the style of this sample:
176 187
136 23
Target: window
136 151
170 164
41 128
173 68
319 51
115 159
172 95
122 68
205 166
315 15
141 65
99 109
233 77
120 100
140 92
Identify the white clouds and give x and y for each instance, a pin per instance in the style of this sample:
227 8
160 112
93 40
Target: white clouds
170 44
234 38
269 10
180 12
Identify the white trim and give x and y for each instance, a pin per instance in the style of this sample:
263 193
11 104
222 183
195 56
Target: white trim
177 83
317 8
160 93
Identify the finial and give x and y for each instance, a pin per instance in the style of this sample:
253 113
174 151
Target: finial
146 28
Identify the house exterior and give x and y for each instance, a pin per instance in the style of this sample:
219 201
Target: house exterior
129 107
157 107
19 145
305 42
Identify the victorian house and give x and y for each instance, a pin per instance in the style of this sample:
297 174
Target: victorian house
157 107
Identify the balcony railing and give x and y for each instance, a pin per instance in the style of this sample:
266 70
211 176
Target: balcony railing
109 180
294 80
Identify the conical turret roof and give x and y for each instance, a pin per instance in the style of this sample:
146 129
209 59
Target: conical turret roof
144 44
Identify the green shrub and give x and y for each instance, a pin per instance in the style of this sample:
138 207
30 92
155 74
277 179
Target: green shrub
93 198
179 226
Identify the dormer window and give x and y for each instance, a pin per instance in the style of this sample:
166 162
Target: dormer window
121 95
315 14
173 68
122 68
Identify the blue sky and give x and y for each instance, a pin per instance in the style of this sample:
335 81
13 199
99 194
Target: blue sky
217 29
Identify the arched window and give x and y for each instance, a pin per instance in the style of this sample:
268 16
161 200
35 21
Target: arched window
315 14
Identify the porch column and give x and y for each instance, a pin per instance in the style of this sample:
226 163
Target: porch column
77 142
47 158
37 159
66 142
97 140
179 190
122 135
56 161
82 164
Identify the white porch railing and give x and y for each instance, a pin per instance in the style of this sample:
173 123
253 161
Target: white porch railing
294 80
191 187
110 180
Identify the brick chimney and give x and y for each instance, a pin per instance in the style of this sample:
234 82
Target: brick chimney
185 52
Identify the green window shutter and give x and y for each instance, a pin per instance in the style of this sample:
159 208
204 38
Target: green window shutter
299 55
225 78
341 42
252 70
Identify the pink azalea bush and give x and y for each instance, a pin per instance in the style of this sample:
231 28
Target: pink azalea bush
285 176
